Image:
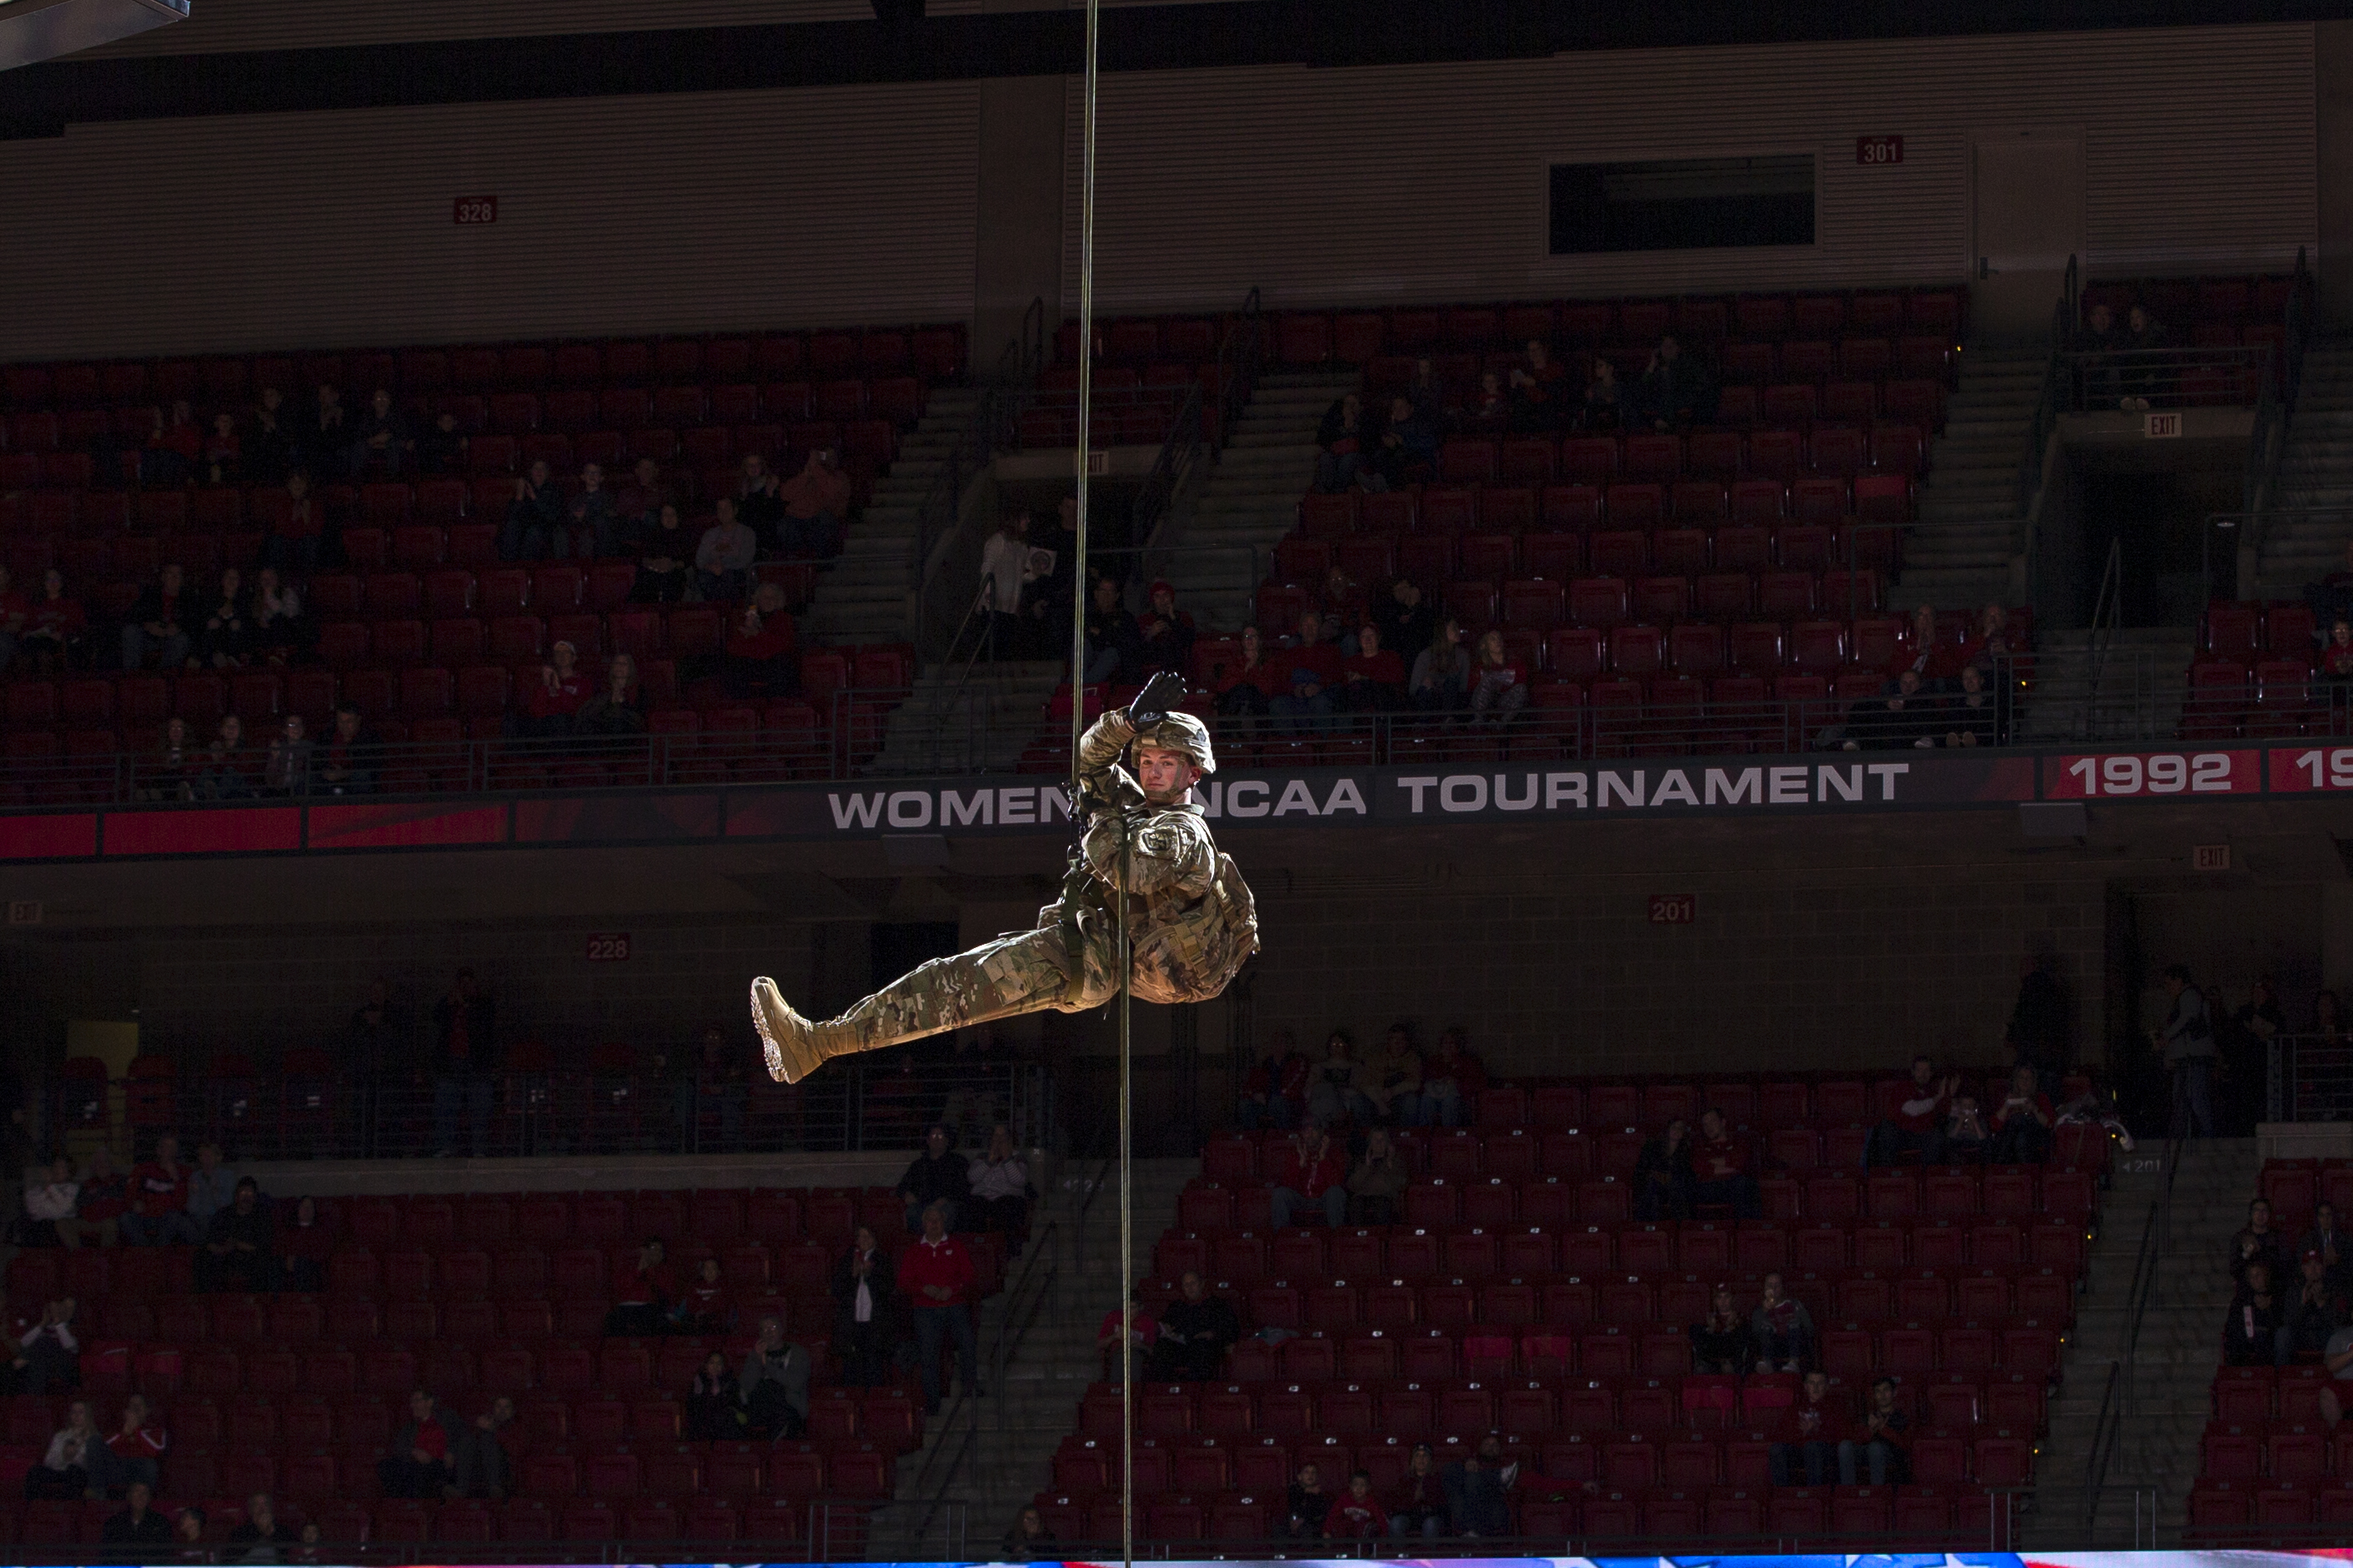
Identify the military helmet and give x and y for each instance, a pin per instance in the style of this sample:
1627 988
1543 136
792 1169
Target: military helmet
1181 733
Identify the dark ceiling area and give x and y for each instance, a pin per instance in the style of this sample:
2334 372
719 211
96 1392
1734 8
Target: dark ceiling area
43 100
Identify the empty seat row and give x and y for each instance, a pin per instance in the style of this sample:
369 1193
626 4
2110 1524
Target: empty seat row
780 1522
2246 1394
2277 698
2176 300
1350 523
509 1313
2295 1187
2245 630
2307 1451
936 353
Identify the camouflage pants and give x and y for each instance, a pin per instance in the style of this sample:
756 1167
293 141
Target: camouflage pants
1025 972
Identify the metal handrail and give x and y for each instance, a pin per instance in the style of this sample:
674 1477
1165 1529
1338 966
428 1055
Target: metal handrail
1154 502
2046 407
2105 1428
2154 1232
2108 616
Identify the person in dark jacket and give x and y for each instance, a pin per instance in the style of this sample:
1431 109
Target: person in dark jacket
1196 1331
714 1404
865 1289
2256 1332
936 1176
137 1524
1345 437
422 1462
1723 1343
1676 391
482 1468
536 518
262 1529
1114 642
236 1253
465 1058
1662 1174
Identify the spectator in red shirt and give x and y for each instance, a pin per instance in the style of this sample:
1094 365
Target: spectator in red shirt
1138 1327
1306 668
1808 1435
1357 1514
1784 1329
304 1239
159 1200
156 623
1312 1173
105 1199
1246 686
816 501
2022 1123
1372 678
1452 1082
1918 1124
295 533
420 1464
1720 1163
1275 1093
643 1289
704 1307
137 1446
564 689
935 1275
759 658
54 623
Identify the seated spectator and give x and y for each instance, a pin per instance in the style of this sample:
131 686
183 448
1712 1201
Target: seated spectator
262 1529
1306 1507
1404 449
1341 1087
551 706
1311 1173
175 446
304 1239
2022 1124
724 555
1899 718
235 1254
1347 447
1441 682
614 712
1602 410
136 1523
1720 1168
157 624
1427 393
54 623
1404 619
484 1466
223 643
442 449
759 504
228 769
534 516
1662 1174
1452 1082
1973 715
2335 1248
936 1175
170 772
1115 643
136 1447
13 611
1028 1540
590 526
1417 1504
2258 1241
758 659
705 1307
1723 1343
298 530
1372 678
45 1355
2336 669
1306 669
639 504
344 762
2317 1313
714 1404
212 1185
2140 377
286 771
1274 1094
1808 1435
1533 391
1499 683
643 1288
1881 1444
1478 1491
188 1534
816 501
1357 1514
383 440
1918 1126
101 1200
1137 1325
999 1179
1376 1182
266 447
224 448
1196 1331
1966 1139
866 1304
1167 632
2256 1332
774 1384
1396 1088
64 1474
1245 688
1489 412
1784 1329
1676 392
665 552
50 1192
422 1463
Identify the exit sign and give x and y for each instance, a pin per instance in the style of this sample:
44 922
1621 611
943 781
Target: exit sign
2210 856
467 211
1879 149
2162 426
1674 909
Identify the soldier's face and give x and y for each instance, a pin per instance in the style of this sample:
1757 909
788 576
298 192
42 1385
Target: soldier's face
1165 774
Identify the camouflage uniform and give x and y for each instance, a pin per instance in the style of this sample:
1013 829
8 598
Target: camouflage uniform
1191 920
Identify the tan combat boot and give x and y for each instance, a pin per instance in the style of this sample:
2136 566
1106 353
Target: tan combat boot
792 1046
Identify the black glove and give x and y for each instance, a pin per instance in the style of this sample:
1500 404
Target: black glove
1160 694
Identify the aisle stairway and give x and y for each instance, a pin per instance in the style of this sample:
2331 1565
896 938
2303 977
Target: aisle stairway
866 594
1252 496
2315 470
2141 687
1969 499
2157 1448
955 722
1024 1418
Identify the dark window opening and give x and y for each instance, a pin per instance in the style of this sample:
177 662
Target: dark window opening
1684 204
